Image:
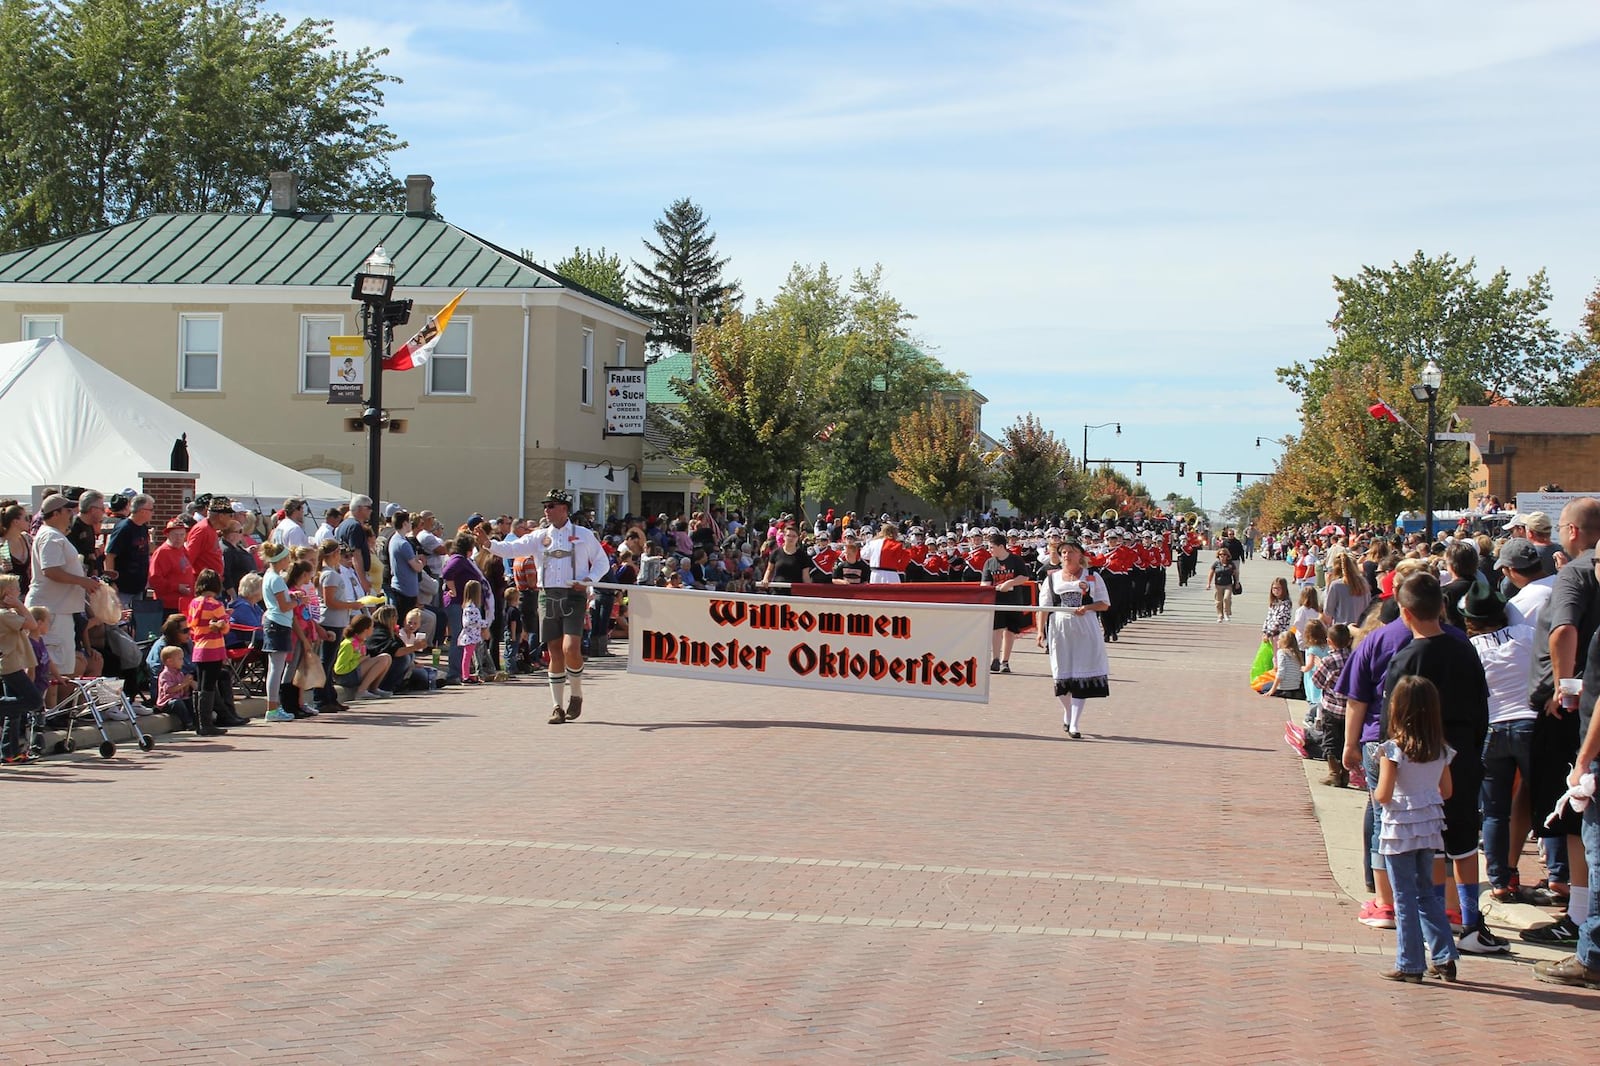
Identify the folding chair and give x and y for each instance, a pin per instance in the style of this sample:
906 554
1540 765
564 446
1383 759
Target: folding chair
247 663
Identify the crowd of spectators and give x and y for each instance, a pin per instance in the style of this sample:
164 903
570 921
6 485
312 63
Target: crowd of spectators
1506 627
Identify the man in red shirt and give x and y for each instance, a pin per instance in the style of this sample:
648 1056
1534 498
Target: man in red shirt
203 544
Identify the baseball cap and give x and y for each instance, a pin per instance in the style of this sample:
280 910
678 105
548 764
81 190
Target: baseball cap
1537 522
1518 553
53 503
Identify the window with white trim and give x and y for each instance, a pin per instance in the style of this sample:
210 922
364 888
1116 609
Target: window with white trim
314 333
325 473
199 353
622 353
586 373
36 326
450 366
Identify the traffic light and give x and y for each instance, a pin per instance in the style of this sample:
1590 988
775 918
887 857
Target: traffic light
1180 469
1238 479
1138 469
1199 477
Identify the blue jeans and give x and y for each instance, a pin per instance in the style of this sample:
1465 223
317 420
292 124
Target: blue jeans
1589 931
1372 821
452 615
1418 913
1507 750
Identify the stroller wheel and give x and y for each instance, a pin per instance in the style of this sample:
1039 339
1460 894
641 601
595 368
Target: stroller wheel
147 742
107 749
68 745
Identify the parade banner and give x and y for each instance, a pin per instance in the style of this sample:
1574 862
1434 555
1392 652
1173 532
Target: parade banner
625 401
928 651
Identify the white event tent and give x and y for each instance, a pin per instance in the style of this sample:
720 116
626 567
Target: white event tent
71 421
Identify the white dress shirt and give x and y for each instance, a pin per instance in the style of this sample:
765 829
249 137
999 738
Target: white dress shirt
563 556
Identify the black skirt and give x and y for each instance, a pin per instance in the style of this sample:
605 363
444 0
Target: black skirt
1084 688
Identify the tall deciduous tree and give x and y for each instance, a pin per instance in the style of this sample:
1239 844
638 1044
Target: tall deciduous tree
1490 339
881 375
753 409
1032 468
683 283
114 109
601 272
935 448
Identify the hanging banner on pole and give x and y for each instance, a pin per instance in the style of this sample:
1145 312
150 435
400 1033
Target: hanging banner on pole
931 651
347 369
625 402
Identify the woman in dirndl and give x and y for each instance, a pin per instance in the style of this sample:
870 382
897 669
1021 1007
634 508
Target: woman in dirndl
1077 644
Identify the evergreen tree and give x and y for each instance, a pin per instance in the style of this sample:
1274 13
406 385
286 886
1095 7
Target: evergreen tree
684 283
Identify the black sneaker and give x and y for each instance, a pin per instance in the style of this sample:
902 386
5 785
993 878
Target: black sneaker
1005 667
1477 940
1561 931
994 666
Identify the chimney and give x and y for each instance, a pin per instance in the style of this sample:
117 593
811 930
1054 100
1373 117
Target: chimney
285 192
419 195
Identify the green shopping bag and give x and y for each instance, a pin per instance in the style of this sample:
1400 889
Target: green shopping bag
1263 661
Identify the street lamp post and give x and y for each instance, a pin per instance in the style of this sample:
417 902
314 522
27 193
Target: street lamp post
1085 455
373 285
1427 391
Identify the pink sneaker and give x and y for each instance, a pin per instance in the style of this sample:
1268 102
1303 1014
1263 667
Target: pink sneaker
1376 916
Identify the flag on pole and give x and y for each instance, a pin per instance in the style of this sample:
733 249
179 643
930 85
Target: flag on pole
1384 412
415 352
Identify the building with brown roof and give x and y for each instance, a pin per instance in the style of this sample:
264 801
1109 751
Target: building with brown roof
1518 449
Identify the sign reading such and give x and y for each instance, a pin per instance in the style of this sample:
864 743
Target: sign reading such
347 369
873 648
625 402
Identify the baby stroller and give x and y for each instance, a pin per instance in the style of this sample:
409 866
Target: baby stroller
101 700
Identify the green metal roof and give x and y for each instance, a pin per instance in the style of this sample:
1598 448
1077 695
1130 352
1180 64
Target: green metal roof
314 250
659 376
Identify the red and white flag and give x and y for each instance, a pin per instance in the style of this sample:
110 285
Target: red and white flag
1384 412
415 352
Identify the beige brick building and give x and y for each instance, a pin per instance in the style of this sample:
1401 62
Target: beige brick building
227 318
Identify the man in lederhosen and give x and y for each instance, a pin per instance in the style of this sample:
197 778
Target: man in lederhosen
569 559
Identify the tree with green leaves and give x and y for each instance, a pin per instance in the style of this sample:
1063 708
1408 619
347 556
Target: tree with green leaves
600 272
683 285
880 375
935 449
753 409
1491 340
114 109
1032 467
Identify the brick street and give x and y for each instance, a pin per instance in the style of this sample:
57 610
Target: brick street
698 872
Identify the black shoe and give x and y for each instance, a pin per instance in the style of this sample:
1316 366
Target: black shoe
232 723
302 714
1005 667
1561 931
994 666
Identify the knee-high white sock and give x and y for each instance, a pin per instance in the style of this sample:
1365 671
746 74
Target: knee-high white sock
575 679
1066 710
1077 709
1578 903
558 688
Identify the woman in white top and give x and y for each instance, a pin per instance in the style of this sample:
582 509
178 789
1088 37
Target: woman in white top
1506 652
1078 660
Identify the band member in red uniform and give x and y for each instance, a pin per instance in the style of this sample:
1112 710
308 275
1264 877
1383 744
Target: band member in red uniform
1118 572
916 555
826 556
887 555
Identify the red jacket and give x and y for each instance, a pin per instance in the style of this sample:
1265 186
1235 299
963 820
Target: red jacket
171 577
203 548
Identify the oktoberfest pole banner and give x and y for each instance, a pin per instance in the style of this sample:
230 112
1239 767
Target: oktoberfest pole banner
929 651
347 369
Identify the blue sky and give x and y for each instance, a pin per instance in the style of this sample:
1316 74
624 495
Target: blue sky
1098 209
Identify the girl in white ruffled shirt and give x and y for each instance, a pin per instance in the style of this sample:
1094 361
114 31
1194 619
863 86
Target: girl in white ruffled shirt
1413 783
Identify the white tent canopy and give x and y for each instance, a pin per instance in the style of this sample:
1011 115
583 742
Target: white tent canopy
73 422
